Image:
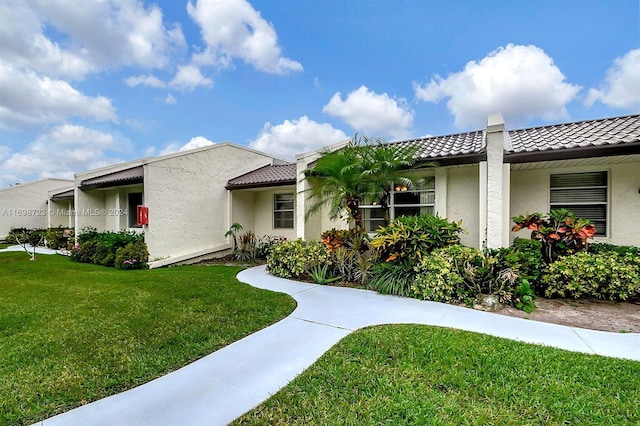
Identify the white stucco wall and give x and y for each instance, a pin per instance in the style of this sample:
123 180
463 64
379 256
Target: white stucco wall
462 201
530 193
187 200
26 205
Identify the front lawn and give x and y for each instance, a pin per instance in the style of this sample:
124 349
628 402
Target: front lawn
72 333
419 375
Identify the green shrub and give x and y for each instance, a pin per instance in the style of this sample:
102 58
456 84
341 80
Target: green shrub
56 239
132 256
410 238
609 248
437 278
294 259
529 260
606 275
393 278
101 248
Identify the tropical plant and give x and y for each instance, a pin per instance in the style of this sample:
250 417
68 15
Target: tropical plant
560 232
322 275
365 169
524 297
233 232
410 238
393 278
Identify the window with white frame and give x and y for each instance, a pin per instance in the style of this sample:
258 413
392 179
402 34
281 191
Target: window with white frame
584 194
403 201
283 211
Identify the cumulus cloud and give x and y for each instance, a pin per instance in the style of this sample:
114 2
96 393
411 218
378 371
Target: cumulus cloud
621 88
372 113
114 33
521 82
61 152
195 142
296 136
29 99
188 78
234 29
145 80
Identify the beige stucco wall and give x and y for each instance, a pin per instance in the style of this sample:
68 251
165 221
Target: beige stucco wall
61 213
253 209
530 193
462 201
188 204
26 205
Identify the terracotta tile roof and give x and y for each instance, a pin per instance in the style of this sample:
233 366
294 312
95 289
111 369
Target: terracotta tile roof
123 177
591 133
271 175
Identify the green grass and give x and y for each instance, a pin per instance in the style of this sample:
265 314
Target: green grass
4 246
420 375
72 333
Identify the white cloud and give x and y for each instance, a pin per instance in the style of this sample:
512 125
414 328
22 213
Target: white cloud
145 80
234 29
170 99
61 152
28 99
114 33
296 137
195 142
371 113
188 78
521 82
621 88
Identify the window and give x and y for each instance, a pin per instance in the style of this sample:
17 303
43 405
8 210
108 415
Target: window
584 194
283 211
403 202
135 200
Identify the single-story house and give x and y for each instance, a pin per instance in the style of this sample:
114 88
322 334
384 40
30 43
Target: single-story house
28 205
188 210
486 177
483 178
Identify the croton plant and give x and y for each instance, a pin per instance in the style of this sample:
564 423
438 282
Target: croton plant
560 232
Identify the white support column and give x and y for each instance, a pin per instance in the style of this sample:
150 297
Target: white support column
301 195
482 205
506 205
441 191
495 197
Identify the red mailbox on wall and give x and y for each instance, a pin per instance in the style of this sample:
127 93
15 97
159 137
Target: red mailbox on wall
142 214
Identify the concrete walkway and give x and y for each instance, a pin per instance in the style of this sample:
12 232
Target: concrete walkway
224 385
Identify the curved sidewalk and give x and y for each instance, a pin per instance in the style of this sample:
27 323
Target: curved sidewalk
222 386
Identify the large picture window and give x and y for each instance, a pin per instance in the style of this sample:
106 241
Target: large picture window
403 202
584 194
283 211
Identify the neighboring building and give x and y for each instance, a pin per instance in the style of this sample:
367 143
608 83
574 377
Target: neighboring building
27 205
482 177
189 209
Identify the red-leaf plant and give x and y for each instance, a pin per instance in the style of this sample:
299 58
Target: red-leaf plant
560 232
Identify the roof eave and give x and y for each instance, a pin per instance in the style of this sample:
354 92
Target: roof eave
260 185
573 153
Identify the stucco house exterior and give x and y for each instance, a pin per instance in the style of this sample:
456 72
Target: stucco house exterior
28 205
487 176
189 208
482 178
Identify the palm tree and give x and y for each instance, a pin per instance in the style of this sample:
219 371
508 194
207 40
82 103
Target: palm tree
365 169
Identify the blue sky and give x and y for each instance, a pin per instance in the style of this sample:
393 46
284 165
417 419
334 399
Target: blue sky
85 84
